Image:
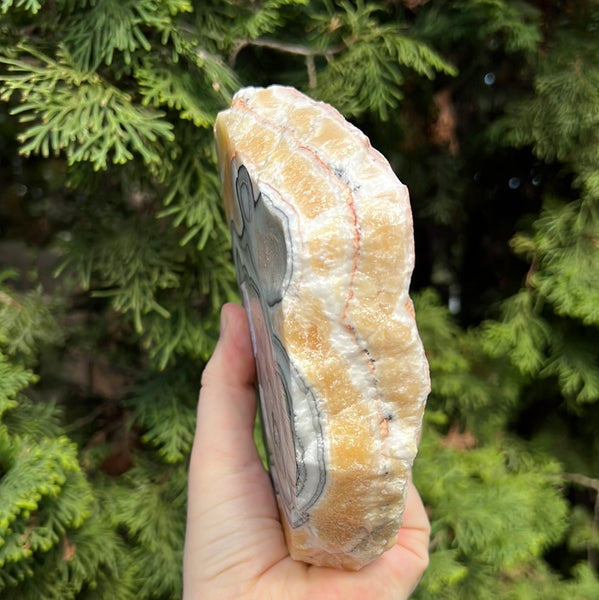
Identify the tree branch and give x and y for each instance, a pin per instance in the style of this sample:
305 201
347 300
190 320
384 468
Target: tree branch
582 480
593 484
296 49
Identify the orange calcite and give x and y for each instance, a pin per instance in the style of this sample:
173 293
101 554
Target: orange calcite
323 246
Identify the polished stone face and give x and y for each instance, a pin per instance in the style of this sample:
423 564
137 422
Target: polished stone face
263 254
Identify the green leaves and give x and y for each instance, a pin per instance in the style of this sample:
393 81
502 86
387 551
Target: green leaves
44 496
120 27
523 335
27 320
71 111
560 120
464 373
566 253
133 270
573 361
265 17
139 269
540 349
515 25
545 322
36 470
13 378
366 72
493 507
179 91
165 407
192 199
149 505
52 539
32 6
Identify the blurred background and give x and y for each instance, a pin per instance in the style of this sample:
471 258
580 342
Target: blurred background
115 260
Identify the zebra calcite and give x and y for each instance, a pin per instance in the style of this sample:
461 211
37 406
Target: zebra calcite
323 246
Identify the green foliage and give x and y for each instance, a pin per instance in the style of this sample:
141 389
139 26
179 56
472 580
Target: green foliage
193 190
523 335
565 241
32 6
559 123
263 19
465 375
78 113
149 504
495 510
115 27
51 543
366 70
115 260
165 407
13 378
25 319
513 24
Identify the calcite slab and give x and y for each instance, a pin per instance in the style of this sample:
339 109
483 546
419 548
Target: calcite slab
322 240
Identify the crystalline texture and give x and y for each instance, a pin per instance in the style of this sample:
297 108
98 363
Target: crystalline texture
323 246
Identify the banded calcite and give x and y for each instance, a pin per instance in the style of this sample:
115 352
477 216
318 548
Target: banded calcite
323 246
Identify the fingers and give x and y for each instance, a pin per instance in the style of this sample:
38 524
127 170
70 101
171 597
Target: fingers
415 531
232 519
227 405
408 559
234 535
396 573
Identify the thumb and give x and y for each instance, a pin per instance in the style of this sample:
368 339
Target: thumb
227 404
231 512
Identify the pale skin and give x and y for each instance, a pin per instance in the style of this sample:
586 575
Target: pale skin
235 547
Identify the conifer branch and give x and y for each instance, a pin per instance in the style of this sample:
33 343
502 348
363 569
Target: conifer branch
32 6
65 109
592 484
311 69
582 480
284 47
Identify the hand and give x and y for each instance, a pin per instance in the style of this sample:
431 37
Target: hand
235 547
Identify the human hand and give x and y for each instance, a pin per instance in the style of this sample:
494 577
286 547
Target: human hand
235 546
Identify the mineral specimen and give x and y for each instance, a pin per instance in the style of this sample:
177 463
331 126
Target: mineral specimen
323 246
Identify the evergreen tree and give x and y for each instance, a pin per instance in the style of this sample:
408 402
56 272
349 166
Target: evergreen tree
114 261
